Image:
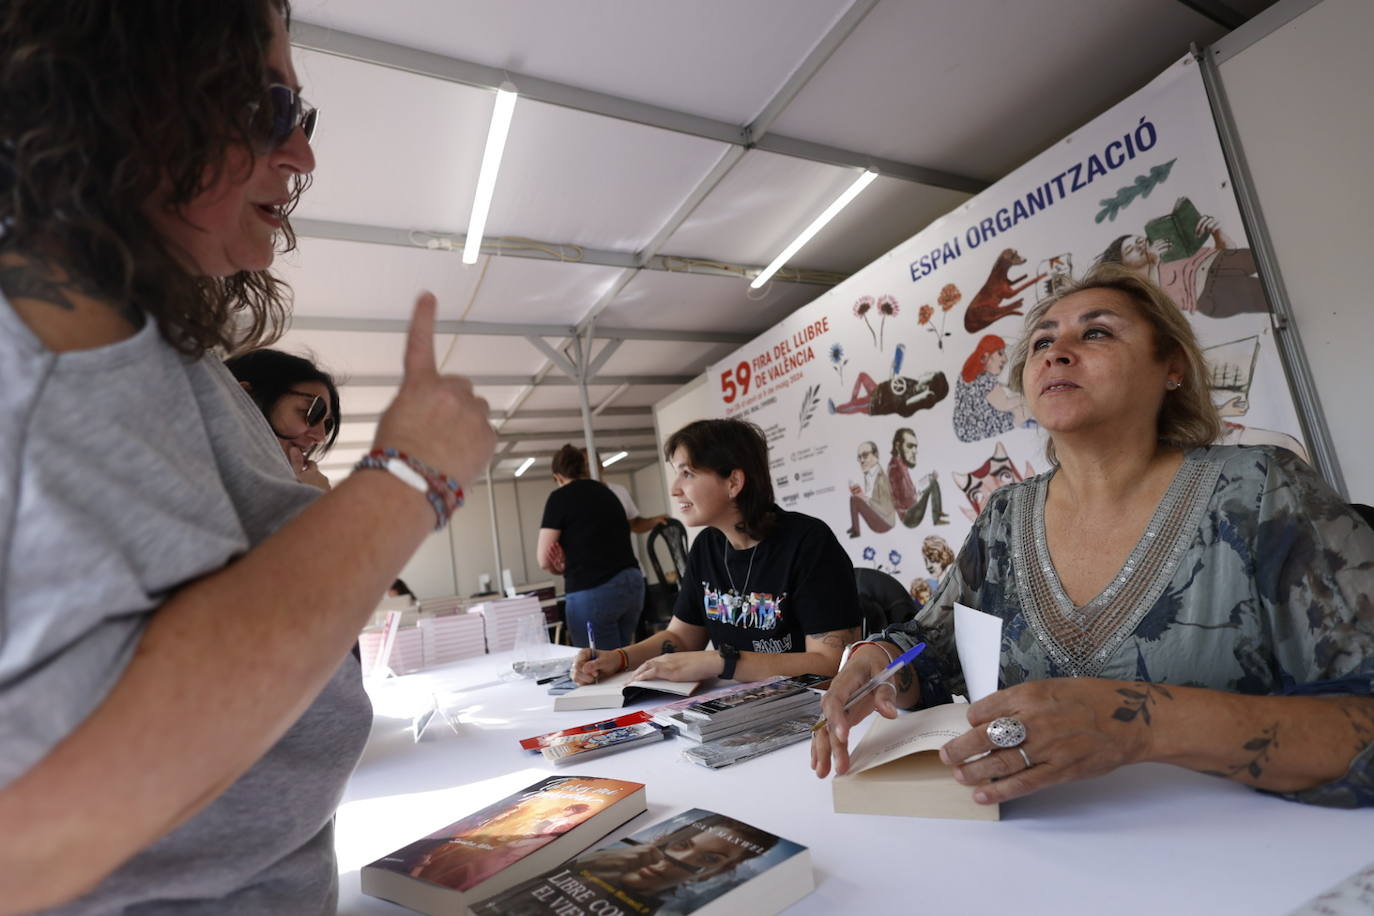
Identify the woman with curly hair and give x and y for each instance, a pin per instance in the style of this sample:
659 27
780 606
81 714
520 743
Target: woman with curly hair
178 708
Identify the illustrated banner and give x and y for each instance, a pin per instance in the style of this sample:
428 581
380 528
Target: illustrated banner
885 401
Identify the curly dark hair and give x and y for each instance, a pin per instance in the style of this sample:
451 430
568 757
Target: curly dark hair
106 104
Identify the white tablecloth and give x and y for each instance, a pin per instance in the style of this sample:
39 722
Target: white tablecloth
1148 839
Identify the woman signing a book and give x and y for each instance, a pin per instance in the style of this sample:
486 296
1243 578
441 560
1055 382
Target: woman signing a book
772 590
179 710
1162 599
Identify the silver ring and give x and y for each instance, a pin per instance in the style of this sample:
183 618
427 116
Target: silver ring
1025 757
1006 732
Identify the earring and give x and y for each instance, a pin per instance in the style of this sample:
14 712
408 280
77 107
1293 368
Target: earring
1172 385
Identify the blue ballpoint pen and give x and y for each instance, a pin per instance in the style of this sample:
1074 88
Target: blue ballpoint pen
879 679
591 643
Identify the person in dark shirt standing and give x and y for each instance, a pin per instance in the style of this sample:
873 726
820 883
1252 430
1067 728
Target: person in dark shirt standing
585 537
773 591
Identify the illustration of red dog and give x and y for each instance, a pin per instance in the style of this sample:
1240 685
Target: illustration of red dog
986 305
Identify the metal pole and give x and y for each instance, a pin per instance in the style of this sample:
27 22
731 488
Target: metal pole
1291 352
495 532
582 357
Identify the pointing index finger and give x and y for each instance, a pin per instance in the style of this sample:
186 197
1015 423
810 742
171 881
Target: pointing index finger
419 355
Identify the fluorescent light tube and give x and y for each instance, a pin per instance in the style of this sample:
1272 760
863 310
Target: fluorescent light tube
840 203
613 459
525 466
491 164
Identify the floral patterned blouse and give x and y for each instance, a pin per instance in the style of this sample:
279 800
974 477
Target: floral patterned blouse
1253 577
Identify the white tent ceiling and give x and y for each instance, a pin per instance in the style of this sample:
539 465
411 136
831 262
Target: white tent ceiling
660 154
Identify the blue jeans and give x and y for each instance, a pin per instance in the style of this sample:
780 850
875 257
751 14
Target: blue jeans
613 608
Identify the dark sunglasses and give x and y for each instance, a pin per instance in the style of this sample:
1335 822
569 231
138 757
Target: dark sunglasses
317 411
284 111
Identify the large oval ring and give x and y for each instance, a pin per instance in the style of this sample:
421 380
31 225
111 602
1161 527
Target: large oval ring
1006 732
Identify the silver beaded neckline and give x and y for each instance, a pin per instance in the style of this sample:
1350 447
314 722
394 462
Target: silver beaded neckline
1081 640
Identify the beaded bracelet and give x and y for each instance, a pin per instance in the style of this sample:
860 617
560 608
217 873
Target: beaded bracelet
444 494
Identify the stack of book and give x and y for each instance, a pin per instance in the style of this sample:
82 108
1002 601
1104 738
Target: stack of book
501 618
745 721
407 654
748 706
438 607
452 637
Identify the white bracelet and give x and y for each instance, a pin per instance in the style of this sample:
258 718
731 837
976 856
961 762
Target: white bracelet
406 473
865 642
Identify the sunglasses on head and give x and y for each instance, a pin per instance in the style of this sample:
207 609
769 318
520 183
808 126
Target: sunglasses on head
276 119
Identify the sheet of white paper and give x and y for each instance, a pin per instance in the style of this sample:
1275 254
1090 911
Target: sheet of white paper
978 638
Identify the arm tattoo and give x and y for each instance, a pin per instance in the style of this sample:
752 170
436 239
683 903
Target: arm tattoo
667 647
1138 703
836 639
1360 714
1259 748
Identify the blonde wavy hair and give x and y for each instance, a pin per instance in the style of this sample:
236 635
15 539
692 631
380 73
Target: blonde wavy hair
1187 417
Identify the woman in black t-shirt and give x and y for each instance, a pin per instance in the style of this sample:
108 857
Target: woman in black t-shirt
585 537
772 590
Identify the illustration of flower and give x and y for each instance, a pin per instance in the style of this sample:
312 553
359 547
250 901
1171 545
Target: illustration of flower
870 554
838 360
894 558
949 297
861 310
888 308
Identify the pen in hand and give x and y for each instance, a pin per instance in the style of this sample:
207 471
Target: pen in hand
879 679
591 645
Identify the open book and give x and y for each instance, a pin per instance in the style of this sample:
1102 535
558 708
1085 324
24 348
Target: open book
896 769
616 690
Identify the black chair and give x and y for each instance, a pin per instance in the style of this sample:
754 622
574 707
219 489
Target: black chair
668 538
882 600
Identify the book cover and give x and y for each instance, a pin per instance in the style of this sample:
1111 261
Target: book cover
663 714
697 863
503 844
615 690
752 741
1179 229
896 769
572 749
749 702
630 718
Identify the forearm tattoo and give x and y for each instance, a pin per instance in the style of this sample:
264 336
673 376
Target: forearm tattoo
667 647
837 639
1138 702
1259 748
1360 714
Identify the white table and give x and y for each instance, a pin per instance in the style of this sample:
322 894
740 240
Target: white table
1148 839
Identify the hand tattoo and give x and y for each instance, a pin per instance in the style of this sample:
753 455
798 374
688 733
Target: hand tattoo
1138 703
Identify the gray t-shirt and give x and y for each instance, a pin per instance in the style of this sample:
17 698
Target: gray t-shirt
126 471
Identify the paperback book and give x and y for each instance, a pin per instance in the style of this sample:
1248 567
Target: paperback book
617 690
576 748
697 863
896 769
503 844
630 718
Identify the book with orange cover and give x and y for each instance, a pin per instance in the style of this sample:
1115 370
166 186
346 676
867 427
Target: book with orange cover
503 844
